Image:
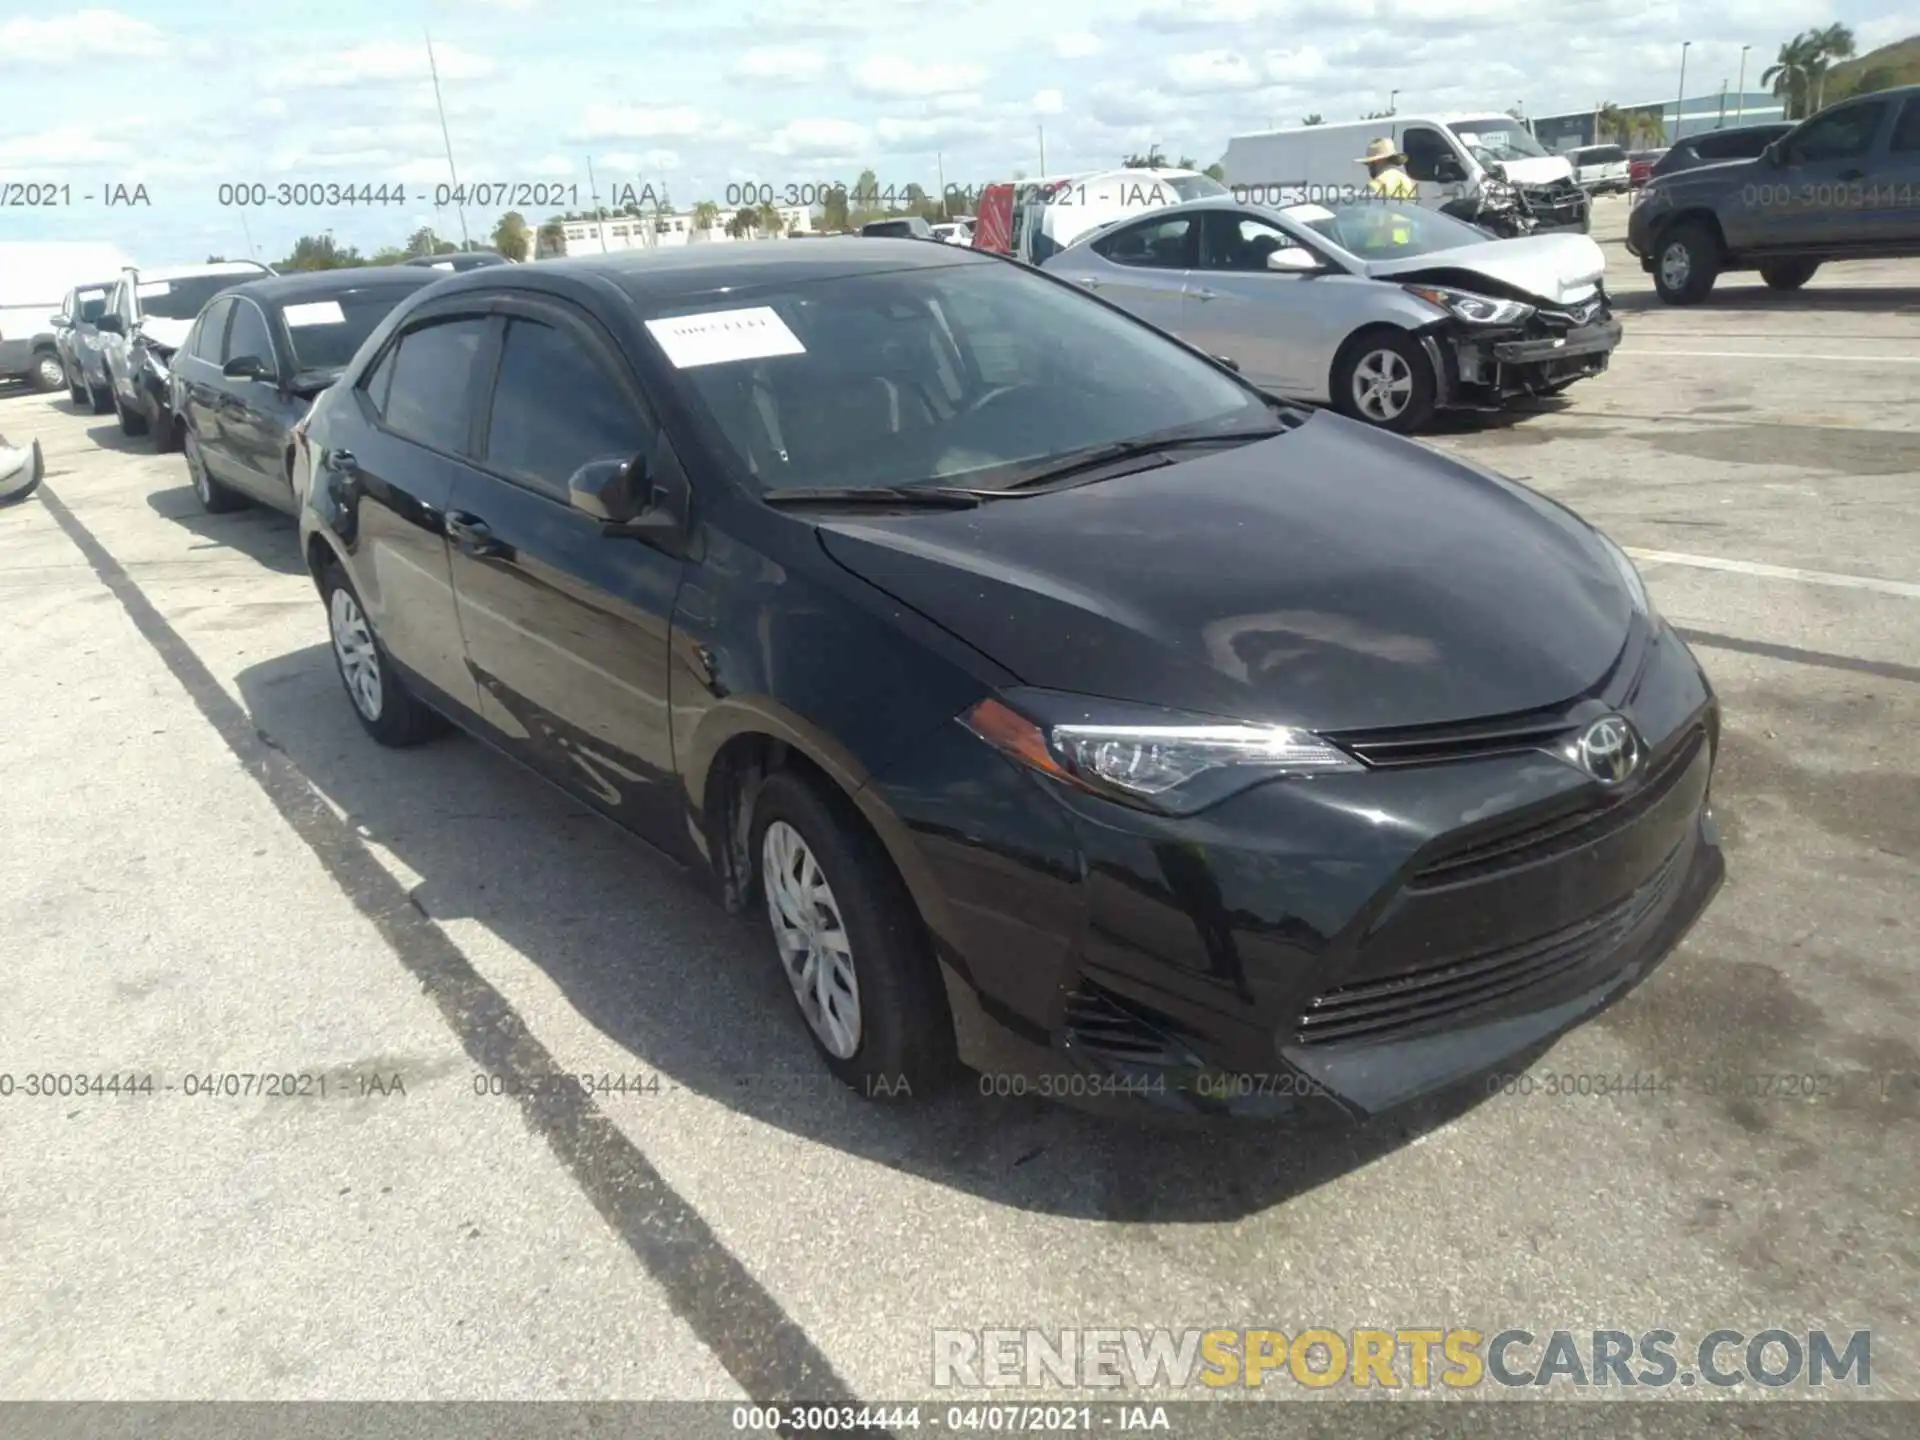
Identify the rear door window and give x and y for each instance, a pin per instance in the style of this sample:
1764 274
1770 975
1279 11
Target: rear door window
426 395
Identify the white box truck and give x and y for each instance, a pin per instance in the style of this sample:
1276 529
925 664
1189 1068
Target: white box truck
1466 164
35 276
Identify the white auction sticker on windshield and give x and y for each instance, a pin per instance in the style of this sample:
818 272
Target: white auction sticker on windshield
314 312
152 289
715 337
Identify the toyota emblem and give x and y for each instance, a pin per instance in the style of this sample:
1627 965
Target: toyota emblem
1608 750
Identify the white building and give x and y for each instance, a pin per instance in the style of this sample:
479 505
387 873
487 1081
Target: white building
652 232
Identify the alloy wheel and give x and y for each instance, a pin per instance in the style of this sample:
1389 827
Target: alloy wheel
812 936
197 469
51 373
1382 385
353 647
1676 265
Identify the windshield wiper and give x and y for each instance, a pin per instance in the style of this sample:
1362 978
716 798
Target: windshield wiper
931 496
1074 462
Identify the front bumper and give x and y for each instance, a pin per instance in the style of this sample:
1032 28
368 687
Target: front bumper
1484 370
1333 948
1598 339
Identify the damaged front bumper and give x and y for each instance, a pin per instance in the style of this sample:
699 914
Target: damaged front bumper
1486 368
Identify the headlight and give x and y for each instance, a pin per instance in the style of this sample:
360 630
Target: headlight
1629 576
1173 767
1474 309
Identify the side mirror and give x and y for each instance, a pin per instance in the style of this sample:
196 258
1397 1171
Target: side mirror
1447 170
246 367
1774 156
611 491
1228 361
59 322
111 323
1296 259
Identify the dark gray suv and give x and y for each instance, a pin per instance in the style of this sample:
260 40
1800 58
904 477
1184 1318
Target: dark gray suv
1843 185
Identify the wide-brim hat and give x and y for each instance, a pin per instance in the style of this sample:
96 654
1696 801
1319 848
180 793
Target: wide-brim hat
1378 150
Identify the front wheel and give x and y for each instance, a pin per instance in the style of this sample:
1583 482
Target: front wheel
1788 274
1686 263
386 709
48 373
1384 378
130 423
215 498
101 396
850 943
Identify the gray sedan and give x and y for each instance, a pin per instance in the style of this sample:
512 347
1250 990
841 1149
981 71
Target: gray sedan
1384 309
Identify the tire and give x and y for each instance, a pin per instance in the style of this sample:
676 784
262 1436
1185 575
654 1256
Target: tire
130 423
166 431
889 1033
387 711
1788 274
215 498
77 392
48 372
1686 262
102 397
1379 370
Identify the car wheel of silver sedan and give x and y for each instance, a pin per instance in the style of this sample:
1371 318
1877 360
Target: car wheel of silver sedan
1383 377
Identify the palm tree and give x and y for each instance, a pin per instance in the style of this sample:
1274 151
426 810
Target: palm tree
1611 123
1313 119
1646 129
1790 75
1833 43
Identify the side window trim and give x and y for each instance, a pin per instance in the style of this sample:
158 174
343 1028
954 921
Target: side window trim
233 319
476 308
572 321
1907 122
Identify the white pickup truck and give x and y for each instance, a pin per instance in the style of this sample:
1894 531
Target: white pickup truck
1600 169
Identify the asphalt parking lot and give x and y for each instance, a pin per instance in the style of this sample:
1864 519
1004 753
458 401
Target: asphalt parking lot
208 868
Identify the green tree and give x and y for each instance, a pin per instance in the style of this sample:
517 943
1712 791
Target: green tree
387 255
511 236
706 216
1646 129
1835 42
834 210
742 223
552 239
1791 75
1154 159
319 252
216 259
1313 119
1610 122
421 242
1216 171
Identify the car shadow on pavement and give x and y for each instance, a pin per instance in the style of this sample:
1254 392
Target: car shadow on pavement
644 954
256 531
108 436
1741 291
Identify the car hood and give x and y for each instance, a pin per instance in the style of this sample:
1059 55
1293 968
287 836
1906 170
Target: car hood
1557 268
1335 577
167 334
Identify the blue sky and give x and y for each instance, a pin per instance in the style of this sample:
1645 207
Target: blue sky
187 95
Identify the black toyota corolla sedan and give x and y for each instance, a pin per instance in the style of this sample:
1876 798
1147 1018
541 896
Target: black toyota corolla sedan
250 367
1063 704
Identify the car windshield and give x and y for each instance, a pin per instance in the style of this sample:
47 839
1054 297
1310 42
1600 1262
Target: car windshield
93 304
1197 187
183 299
966 374
1503 139
325 332
1385 229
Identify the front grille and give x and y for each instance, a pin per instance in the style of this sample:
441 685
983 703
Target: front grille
1543 837
1396 1005
1474 740
1113 1028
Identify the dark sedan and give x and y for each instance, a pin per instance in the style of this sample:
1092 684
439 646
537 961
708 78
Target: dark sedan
1065 705
249 370
1742 142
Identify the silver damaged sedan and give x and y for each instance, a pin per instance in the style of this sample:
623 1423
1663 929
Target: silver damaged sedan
1386 310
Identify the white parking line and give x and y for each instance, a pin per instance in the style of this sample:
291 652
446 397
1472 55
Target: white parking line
1663 352
1778 572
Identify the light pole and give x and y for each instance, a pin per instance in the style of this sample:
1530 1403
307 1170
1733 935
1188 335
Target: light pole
1681 104
1393 102
1721 123
1740 100
459 200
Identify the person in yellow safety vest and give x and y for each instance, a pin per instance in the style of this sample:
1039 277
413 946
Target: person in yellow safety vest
1388 182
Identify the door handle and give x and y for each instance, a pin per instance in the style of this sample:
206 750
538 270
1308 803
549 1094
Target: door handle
472 534
1205 294
1090 282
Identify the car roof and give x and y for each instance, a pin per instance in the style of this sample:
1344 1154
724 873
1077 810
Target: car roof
192 272
650 276
321 284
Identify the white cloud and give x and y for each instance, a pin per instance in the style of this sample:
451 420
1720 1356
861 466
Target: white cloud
634 122
823 140
891 77
1076 44
646 162
552 165
64 145
1289 66
384 62
1212 71
1049 102
791 63
78 39
920 136
1175 15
